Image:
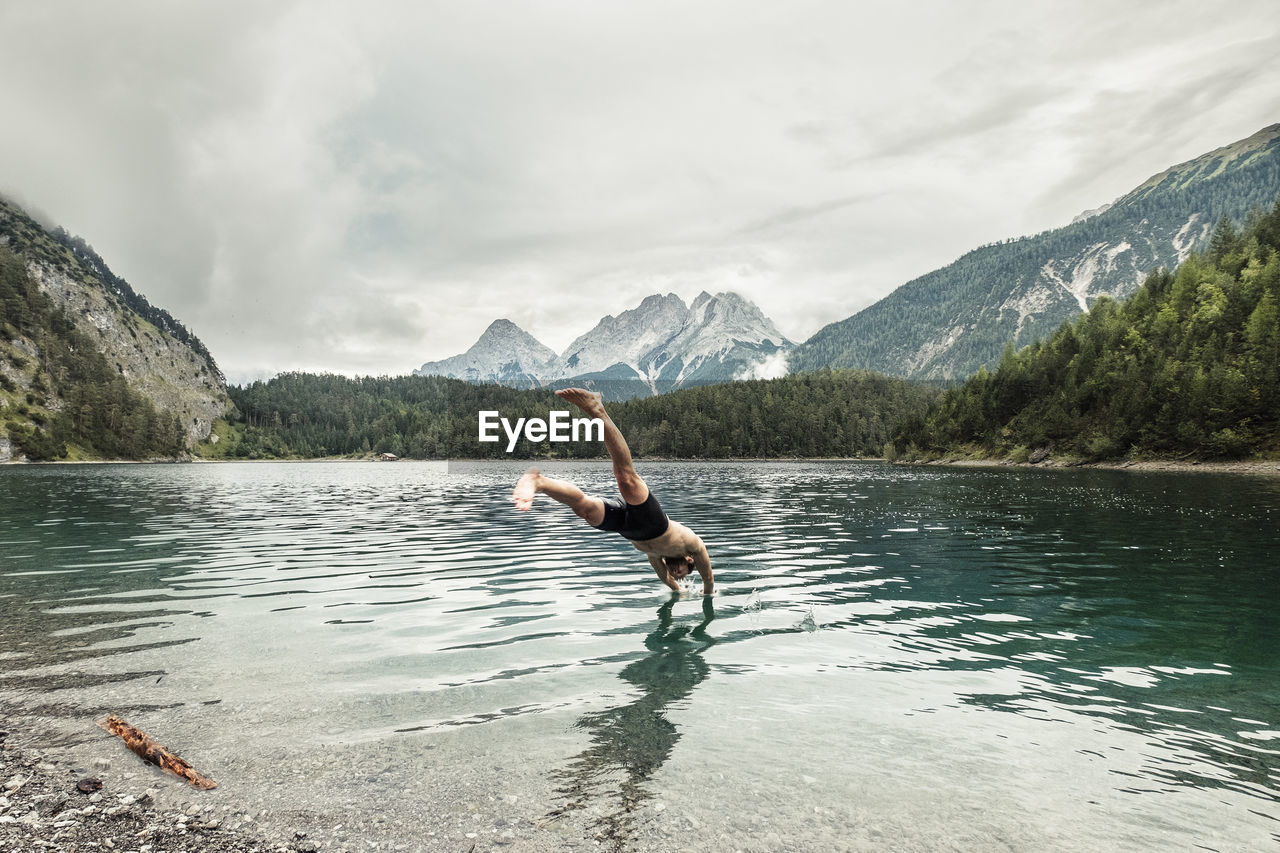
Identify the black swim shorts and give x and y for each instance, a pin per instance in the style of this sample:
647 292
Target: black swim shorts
634 521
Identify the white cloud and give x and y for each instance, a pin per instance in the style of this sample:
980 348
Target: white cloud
364 187
770 367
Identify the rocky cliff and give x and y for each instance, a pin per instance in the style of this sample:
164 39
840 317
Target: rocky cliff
155 355
163 369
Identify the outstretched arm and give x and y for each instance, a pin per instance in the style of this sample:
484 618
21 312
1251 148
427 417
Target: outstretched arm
664 575
702 562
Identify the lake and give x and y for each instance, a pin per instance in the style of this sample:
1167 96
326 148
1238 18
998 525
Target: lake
389 656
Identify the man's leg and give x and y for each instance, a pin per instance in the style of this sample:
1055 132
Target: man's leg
633 489
588 508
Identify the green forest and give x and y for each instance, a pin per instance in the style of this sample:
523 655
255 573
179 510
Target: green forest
59 390
1187 366
838 413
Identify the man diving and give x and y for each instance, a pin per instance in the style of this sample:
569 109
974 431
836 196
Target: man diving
673 549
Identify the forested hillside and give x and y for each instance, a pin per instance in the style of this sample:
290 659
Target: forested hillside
829 413
1190 365
57 389
76 338
948 323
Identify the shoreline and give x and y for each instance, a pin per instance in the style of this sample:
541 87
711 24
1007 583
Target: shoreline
44 804
1250 467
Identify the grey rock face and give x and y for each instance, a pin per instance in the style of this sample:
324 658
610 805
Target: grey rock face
659 345
174 377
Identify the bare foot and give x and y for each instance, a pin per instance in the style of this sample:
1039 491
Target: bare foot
589 401
526 488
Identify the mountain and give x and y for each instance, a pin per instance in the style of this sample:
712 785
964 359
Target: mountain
624 347
660 345
86 361
665 344
1187 366
505 354
948 323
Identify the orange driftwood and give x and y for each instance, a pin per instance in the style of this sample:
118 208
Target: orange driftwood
153 753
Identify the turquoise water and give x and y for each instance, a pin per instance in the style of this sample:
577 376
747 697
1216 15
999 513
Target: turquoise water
897 658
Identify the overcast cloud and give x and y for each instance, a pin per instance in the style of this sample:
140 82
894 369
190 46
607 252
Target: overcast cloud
360 188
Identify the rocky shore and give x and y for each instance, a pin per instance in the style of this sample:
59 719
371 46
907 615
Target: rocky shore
1254 467
45 806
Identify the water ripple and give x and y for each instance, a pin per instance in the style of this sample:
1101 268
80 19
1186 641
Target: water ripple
1119 627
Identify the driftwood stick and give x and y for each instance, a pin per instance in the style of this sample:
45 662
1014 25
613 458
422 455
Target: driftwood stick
153 753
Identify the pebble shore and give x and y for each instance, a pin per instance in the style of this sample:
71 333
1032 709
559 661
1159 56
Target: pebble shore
45 807
1252 467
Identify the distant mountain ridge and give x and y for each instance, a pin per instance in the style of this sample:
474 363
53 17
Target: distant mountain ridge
1187 366
948 323
659 345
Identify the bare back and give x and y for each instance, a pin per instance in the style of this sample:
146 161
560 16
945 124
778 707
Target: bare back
677 541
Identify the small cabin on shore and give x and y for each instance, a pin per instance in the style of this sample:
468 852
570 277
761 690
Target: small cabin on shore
388 457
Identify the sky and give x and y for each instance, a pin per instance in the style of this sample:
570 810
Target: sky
362 187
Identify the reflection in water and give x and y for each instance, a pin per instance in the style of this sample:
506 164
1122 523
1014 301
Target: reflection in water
631 742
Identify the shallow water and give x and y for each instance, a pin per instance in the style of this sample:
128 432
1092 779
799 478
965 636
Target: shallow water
897 658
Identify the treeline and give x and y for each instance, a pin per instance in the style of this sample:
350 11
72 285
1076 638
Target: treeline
1189 365
66 392
423 417
828 413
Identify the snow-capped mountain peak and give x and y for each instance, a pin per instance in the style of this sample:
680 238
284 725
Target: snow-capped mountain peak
627 338
659 345
666 344
503 353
